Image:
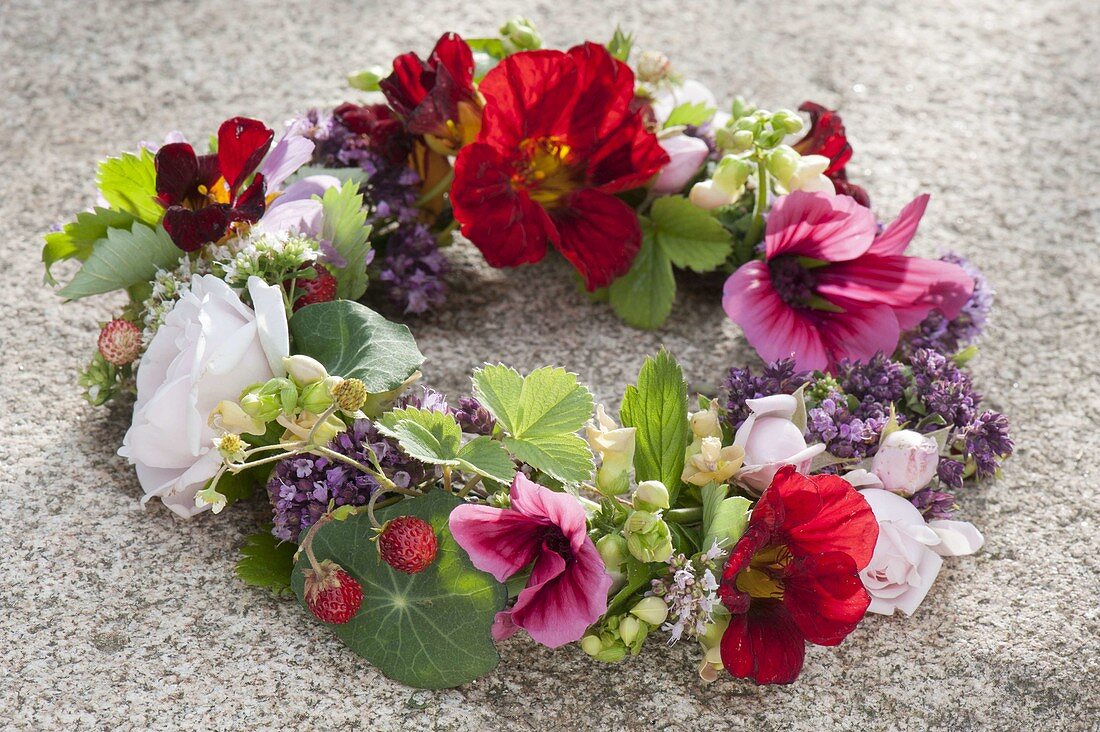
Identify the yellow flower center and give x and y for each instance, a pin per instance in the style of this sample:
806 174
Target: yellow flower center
762 578
547 172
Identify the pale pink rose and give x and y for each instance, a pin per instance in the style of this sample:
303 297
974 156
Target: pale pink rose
771 440
906 461
907 556
685 156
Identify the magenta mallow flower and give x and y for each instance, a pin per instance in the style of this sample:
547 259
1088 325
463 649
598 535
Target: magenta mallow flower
831 287
546 531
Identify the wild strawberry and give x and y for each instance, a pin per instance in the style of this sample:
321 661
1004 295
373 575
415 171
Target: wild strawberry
332 594
321 288
119 342
407 544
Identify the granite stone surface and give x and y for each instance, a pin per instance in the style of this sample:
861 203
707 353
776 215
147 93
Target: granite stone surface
118 617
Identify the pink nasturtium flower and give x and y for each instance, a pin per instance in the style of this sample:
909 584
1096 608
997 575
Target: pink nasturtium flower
546 531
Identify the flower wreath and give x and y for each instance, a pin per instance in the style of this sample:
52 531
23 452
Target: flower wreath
421 528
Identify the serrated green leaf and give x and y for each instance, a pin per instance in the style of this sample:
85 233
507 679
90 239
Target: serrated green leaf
621 44
690 113
565 457
499 389
643 296
266 562
657 408
78 238
353 341
122 259
428 630
345 225
689 236
129 183
724 519
487 457
552 403
424 434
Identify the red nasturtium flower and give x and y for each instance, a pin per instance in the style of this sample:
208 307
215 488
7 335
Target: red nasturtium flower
204 195
437 97
793 577
558 140
827 137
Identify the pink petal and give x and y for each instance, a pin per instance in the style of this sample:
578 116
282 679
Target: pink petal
547 506
860 332
563 599
499 541
772 327
503 627
818 225
290 153
897 235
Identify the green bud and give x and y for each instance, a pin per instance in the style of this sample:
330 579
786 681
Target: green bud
741 108
315 398
770 139
741 141
288 398
629 628
520 34
652 610
304 369
500 499
648 538
782 162
732 172
651 495
100 380
367 80
591 645
786 122
264 407
613 551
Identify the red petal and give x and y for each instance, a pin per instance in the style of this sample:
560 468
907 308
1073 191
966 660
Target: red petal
826 137
250 205
498 541
825 597
508 227
603 90
452 55
191 229
764 645
627 158
177 172
408 84
846 188
599 234
528 94
242 144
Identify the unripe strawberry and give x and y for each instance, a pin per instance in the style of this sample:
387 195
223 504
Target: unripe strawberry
407 544
119 342
332 594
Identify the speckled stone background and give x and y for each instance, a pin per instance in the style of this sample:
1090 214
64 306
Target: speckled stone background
117 617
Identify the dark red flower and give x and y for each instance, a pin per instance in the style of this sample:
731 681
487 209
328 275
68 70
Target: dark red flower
437 98
826 137
793 577
384 132
204 195
558 140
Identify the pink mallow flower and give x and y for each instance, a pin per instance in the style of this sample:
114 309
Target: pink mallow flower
567 589
830 287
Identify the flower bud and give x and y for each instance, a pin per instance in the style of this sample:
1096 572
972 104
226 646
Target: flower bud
741 141
731 174
686 155
653 67
520 34
350 395
653 610
629 628
316 397
613 551
303 369
711 641
230 417
906 461
782 163
787 122
648 538
742 108
591 645
707 196
651 495
615 446
263 408
706 423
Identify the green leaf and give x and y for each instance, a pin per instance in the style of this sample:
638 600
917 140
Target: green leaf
620 44
424 434
724 519
492 46
353 341
429 630
129 183
267 562
122 259
540 414
643 296
487 457
638 577
79 237
368 79
689 236
239 486
690 113
345 225
657 408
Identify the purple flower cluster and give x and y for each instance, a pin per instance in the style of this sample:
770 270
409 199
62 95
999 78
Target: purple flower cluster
473 417
740 385
301 487
846 432
934 504
987 442
410 267
944 389
938 333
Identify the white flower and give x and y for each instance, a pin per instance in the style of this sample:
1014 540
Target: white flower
906 461
907 556
771 440
209 347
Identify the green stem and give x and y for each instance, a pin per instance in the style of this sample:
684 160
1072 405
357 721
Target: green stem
442 185
684 515
469 486
388 484
444 238
320 420
756 228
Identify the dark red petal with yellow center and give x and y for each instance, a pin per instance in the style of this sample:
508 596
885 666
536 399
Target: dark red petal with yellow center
764 645
825 597
242 144
504 223
191 229
599 234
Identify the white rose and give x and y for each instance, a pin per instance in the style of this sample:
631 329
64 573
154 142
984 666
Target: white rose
210 347
771 440
907 556
906 461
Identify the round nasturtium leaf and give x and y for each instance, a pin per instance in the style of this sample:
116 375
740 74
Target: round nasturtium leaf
429 630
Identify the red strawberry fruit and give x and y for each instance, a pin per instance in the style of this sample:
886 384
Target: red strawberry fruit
332 594
321 288
407 544
119 342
